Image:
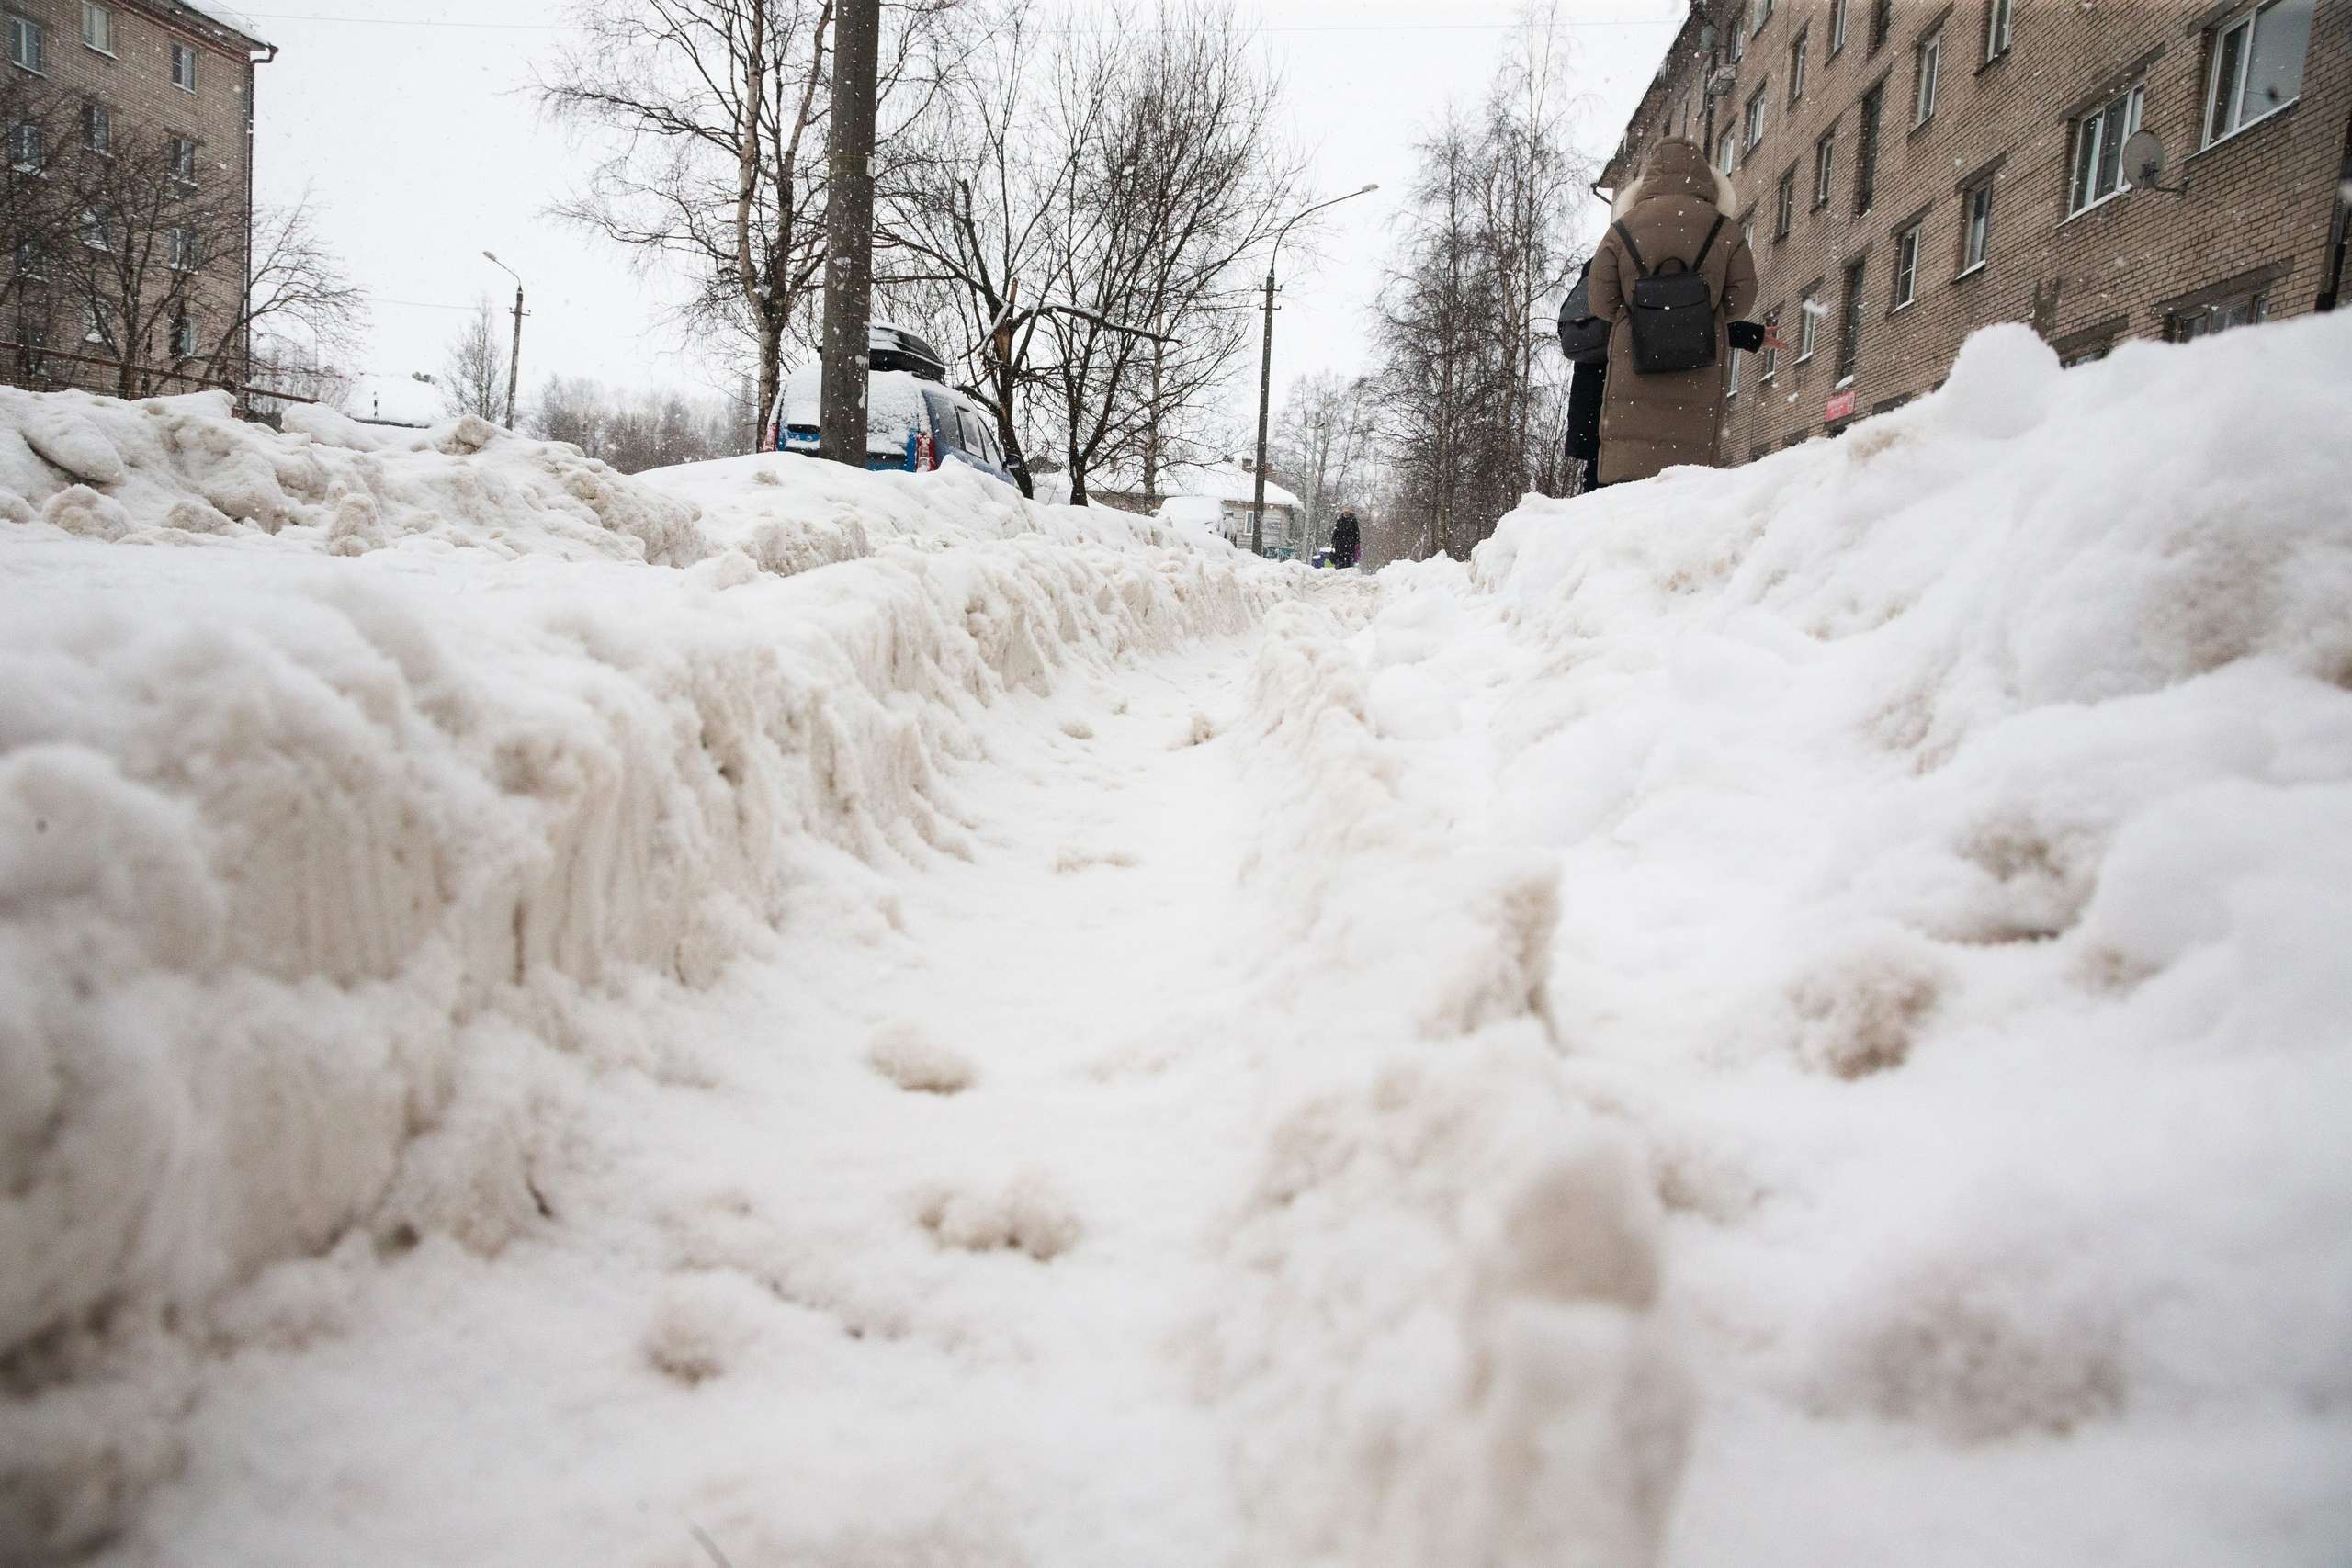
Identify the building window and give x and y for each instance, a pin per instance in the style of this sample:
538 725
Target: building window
1866 151
1763 14
1784 206
27 44
97 126
27 148
97 229
1727 151
1772 354
1907 266
1808 326
183 335
1881 22
29 259
2257 67
94 326
1836 26
1997 16
2242 310
183 160
184 68
97 28
1928 58
180 249
2098 148
1825 161
1755 117
1739 36
1976 227
1849 333
1797 65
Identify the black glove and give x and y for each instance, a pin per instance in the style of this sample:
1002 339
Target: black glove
1748 335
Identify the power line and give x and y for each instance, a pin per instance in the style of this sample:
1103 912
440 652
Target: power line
1298 27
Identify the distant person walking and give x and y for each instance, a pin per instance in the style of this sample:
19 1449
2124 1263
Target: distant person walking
1670 274
1347 539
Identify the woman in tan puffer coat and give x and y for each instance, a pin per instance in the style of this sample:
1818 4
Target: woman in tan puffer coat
1649 422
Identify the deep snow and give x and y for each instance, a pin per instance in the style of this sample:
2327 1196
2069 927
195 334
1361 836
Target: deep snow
1795 1015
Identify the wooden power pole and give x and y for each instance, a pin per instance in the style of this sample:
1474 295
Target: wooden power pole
849 231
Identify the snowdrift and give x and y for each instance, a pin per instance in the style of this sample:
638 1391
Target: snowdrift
314 830
1954 832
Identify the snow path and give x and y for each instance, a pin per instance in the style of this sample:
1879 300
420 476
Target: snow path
966 1299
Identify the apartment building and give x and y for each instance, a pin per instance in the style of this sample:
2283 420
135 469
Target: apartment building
1909 171
98 95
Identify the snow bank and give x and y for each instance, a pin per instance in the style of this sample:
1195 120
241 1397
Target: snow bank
306 857
1954 832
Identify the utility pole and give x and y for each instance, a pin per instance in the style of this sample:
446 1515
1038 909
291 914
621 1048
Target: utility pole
849 232
515 356
1266 368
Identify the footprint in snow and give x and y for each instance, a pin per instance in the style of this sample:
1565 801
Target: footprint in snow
1073 858
902 1053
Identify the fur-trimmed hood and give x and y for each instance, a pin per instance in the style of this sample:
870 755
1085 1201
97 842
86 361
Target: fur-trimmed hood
1677 165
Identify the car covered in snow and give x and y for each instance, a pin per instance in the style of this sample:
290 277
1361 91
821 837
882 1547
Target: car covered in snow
914 420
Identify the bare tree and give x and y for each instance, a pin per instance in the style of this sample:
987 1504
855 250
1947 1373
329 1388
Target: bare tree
1179 176
1322 448
1466 381
711 117
473 377
36 209
298 300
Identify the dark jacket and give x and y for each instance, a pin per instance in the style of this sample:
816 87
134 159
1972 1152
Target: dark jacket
1346 540
1650 422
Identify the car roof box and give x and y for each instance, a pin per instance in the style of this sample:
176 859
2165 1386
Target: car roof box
894 348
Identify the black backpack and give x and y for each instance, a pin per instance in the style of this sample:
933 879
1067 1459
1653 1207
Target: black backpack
1584 337
1672 314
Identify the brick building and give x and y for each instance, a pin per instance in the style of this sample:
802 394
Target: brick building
1913 170
171 84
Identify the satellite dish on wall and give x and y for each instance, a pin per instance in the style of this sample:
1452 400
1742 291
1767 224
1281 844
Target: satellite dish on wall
2144 162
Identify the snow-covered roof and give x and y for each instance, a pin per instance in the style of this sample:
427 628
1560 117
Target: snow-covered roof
226 15
1223 481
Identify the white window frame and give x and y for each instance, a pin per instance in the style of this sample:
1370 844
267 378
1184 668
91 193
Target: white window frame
1784 206
1836 26
28 45
179 249
2249 23
181 150
1753 133
1926 59
1727 151
97 230
1824 169
1808 327
2000 17
1771 356
29 259
1738 40
184 55
183 335
2089 148
98 128
1906 266
100 36
27 147
1976 227
94 324
1798 48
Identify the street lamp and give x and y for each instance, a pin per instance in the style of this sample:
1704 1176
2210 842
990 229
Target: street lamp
1266 367
515 356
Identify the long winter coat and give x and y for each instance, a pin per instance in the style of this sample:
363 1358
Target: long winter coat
1649 422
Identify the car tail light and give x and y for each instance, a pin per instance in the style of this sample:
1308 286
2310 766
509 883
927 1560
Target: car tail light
926 452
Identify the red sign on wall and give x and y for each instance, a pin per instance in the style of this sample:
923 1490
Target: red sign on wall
1838 407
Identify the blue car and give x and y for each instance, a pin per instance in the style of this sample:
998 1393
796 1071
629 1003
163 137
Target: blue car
914 420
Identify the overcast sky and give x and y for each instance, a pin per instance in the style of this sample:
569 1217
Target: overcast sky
411 122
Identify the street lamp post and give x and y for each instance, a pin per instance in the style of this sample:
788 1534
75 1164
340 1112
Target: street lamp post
1266 367
515 356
